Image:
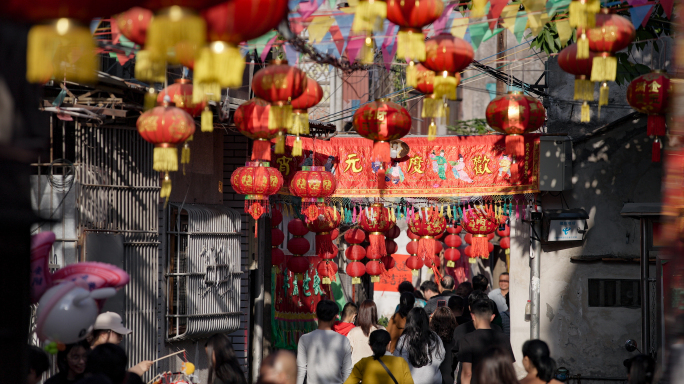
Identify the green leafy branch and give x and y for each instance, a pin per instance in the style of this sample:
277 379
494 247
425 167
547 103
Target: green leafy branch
470 127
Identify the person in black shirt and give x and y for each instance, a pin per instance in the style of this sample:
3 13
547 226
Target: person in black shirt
442 298
476 343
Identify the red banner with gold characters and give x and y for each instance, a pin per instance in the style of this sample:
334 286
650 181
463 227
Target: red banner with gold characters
446 166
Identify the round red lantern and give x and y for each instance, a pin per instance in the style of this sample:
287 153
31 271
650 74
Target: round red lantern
447 55
334 233
468 251
236 21
277 256
650 94
480 222
313 94
257 181
514 114
251 119
298 264
411 16
393 232
133 24
451 255
505 232
611 34
412 235
389 262
279 84
181 94
276 217
453 241
412 247
454 229
297 227
391 246
323 225
355 236
277 237
505 243
355 252
580 68
414 263
427 224
375 268
382 121
375 220
298 246
356 270
312 184
327 269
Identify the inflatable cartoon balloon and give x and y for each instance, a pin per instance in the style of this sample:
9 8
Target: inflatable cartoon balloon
66 312
41 279
95 275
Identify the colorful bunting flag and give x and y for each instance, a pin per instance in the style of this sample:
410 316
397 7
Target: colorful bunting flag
509 15
459 27
553 6
261 42
477 33
354 45
495 11
291 54
640 14
489 33
564 31
337 37
439 25
667 7
344 22
307 9
319 27
536 21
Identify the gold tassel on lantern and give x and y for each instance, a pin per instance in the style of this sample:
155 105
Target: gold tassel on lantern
432 107
445 85
586 113
172 26
280 144
165 158
369 16
603 94
367 54
150 66
584 89
411 44
411 75
297 147
300 123
432 130
604 68
219 66
62 49
582 13
583 47
150 99
185 153
166 189
207 120
280 116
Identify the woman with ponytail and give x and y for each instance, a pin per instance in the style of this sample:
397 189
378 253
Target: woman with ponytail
382 367
398 321
538 363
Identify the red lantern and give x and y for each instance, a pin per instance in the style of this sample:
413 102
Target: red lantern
414 263
447 55
451 255
313 94
389 262
375 268
323 225
236 21
480 222
355 236
611 34
505 243
375 220
468 251
298 246
355 252
393 232
514 114
391 246
297 227
312 184
411 16
650 94
505 232
427 224
334 233
433 107
327 269
454 229
258 181
581 68
412 247
277 256
180 93
276 217
277 237
453 241
298 264
133 24
356 270
279 84
412 235
251 119
382 121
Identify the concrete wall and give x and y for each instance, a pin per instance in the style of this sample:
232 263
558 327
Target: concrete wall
200 184
611 166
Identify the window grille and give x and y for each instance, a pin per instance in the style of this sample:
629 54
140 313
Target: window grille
614 293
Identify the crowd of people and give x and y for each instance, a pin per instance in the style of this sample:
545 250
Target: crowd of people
439 334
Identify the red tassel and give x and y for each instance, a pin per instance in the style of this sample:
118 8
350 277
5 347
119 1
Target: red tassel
381 179
324 246
381 151
426 249
655 125
515 145
480 246
330 271
376 249
261 150
438 276
655 151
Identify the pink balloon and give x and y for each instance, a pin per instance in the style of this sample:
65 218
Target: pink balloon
95 275
41 279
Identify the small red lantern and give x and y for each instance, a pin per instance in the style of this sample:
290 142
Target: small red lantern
251 119
133 24
581 68
393 232
514 114
650 94
382 121
279 84
389 262
313 94
323 225
355 236
414 263
298 264
298 246
277 237
356 270
453 241
312 184
412 247
375 220
375 268
505 243
327 269
355 252
427 224
277 256
505 232
451 255
257 181
391 246
411 16
297 227
480 222
454 229
447 55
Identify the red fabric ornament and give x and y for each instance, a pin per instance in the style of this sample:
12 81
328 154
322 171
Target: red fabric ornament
454 229
296 227
323 225
298 246
414 263
356 270
277 256
165 127
389 262
312 184
411 16
375 220
453 241
480 223
277 237
391 246
650 94
451 255
355 236
427 223
180 93
251 119
514 114
257 182
298 264
133 24
393 232
355 252
375 268
382 121
327 270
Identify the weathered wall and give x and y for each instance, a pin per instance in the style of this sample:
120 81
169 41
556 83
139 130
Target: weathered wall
611 166
200 183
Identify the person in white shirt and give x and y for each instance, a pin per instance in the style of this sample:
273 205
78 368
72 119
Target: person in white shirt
367 322
324 356
499 295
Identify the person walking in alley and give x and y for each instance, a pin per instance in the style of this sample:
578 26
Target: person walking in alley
367 322
71 363
397 322
442 298
443 323
109 328
349 313
381 367
324 356
38 364
480 283
280 367
474 345
422 348
224 367
538 363
499 295
495 366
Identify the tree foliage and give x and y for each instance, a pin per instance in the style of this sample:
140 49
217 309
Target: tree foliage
470 127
